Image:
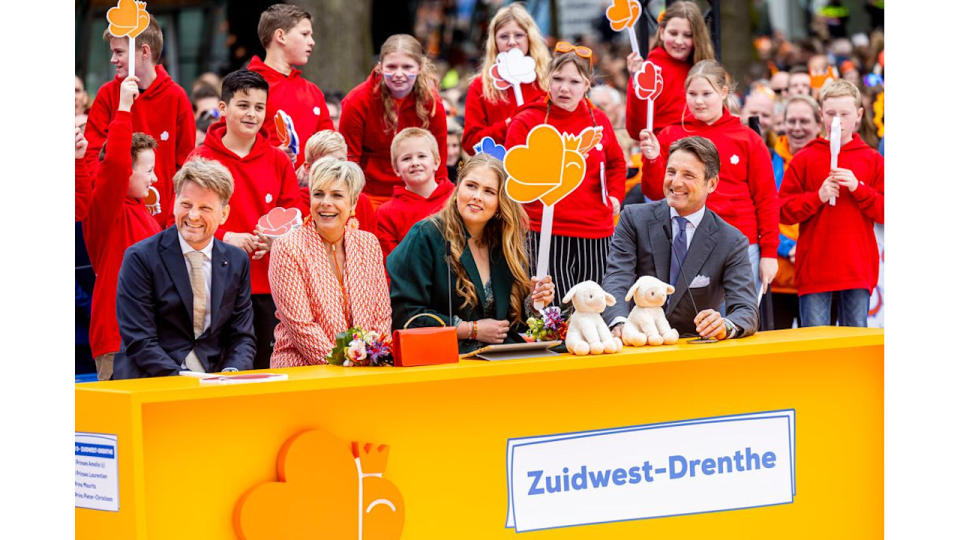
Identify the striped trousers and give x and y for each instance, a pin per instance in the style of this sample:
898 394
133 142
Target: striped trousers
572 260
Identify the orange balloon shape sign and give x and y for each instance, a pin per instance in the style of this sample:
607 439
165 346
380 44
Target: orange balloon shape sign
325 491
128 19
623 14
550 166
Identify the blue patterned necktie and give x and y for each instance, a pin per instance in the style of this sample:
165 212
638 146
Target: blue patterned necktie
679 249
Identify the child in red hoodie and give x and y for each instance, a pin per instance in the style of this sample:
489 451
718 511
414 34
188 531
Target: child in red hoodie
162 111
836 250
263 179
286 32
416 160
401 92
116 220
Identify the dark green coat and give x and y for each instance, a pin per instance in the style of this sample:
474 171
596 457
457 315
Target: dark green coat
419 282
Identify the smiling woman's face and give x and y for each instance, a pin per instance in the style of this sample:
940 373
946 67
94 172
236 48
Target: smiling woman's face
478 196
330 207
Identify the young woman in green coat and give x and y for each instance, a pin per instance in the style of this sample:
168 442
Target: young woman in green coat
468 263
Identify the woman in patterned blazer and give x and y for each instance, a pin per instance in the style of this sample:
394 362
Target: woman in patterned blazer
326 277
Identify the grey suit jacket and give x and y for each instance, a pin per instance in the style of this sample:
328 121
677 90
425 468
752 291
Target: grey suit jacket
641 246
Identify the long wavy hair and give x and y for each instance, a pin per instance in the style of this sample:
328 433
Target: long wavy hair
702 46
506 230
537 48
423 87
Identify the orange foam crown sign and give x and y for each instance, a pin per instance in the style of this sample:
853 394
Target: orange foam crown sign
128 19
549 167
623 14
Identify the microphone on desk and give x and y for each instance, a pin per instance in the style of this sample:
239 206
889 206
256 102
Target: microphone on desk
673 251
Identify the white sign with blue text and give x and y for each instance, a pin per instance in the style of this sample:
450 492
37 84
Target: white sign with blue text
653 470
96 485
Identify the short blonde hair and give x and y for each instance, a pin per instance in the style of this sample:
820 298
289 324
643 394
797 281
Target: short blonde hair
840 88
208 174
413 133
327 170
323 143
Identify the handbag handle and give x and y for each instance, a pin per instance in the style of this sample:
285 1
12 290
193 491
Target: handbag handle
438 319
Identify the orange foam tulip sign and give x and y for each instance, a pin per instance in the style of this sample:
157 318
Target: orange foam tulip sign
128 19
549 167
327 488
623 14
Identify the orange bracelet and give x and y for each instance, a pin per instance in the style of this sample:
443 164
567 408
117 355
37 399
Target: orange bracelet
475 330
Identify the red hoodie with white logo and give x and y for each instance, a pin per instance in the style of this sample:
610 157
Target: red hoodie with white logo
162 111
262 180
836 249
669 105
746 196
396 216
299 98
485 118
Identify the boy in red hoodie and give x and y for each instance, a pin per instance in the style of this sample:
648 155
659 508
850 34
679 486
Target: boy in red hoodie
116 220
836 250
416 158
263 179
162 111
286 32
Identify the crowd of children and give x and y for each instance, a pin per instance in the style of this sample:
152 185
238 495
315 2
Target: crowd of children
396 123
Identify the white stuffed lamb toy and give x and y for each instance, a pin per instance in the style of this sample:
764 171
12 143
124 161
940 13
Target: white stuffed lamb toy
586 331
647 325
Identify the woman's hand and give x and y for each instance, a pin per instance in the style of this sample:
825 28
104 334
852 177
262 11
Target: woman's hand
768 271
649 145
615 204
542 291
634 61
492 330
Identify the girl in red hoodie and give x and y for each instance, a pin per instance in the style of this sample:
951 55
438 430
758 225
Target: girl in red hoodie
489 109
583 221
746 196
682 41
400 92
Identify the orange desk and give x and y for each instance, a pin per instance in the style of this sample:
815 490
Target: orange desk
186 452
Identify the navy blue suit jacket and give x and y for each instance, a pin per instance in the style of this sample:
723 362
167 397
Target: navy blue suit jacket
155 310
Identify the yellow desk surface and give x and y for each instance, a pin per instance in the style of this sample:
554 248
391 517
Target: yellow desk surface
187 452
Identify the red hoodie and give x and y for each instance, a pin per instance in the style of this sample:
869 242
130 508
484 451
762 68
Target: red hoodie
396 216
299 98
262 180
82 186
668 107
746 196
836 249
363 125
114 222
581 214
162 111
484 118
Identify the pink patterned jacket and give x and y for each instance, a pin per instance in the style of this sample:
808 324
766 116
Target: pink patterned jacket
308 296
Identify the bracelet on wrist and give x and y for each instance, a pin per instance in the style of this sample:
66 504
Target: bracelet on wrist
474 330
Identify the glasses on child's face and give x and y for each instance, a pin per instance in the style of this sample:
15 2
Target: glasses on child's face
580 50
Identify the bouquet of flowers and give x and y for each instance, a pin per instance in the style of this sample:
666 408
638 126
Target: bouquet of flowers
549 327
358 347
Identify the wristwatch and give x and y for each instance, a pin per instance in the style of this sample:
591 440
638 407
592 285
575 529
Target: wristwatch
730 328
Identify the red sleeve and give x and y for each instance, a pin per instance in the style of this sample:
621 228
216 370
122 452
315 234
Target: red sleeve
386 231
438 126
653 170
517 131
83 184
352 127
323 121
763 191
366 215
186 131
798 202
616 166
475 124
869 194
96 132
636 112
113 175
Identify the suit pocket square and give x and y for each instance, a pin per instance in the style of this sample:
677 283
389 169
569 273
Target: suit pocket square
699 281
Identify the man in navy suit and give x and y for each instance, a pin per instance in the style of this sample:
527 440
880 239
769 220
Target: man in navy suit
183 297
681 241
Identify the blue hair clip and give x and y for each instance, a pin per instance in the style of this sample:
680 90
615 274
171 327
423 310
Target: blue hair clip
488 146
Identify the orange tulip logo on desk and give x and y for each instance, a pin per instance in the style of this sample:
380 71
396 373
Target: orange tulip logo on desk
324 491
129 18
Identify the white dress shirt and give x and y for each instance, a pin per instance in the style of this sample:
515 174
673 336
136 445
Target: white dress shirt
207 272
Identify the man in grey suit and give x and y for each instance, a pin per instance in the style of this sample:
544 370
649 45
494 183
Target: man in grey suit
680 241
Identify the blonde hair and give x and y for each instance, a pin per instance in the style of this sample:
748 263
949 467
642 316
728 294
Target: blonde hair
841 88
702 46
537 48
323 143
327 170
507 229
413 133
208 174
713 72
424 86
